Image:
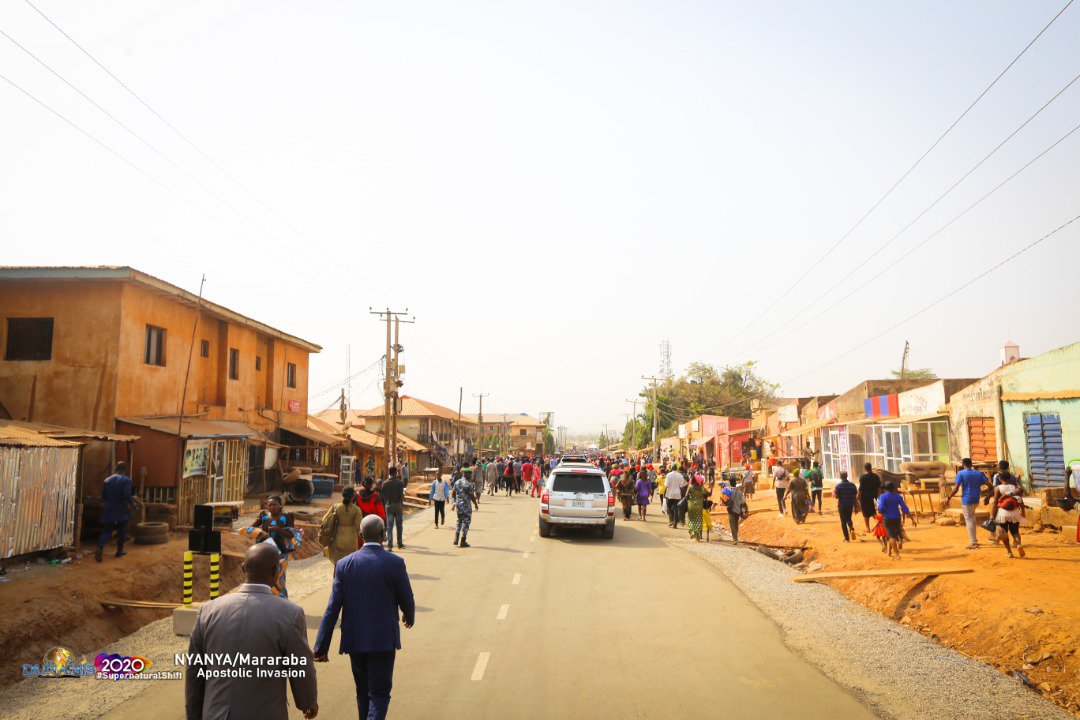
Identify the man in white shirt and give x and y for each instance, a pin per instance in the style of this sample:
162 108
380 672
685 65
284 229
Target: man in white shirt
780 484
674 482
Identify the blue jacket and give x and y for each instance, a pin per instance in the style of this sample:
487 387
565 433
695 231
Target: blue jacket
370 586
116 492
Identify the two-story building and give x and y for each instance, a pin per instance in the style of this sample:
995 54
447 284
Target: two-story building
439 429
511 433
116 349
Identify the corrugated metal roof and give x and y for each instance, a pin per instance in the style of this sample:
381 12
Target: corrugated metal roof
68 433
372 440
318 436
21 437
501 418
415 407
194 427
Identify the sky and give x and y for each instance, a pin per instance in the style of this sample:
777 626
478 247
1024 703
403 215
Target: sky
553 188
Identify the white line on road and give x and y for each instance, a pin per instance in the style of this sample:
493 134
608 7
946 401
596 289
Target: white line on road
481 665
502 612
525 555
532 539
517 579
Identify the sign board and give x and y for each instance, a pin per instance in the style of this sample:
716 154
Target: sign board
294 406
539 436
788 413
922 401
196 458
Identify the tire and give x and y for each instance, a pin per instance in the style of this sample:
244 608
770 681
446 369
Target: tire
608 532
150 529
545 529
151 539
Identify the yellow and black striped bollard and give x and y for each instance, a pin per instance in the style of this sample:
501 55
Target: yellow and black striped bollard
215 559
189 576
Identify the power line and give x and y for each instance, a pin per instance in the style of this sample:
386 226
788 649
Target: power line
960 287
190 143
889 192
910 251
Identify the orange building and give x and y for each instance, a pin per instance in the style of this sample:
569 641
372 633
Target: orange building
108 347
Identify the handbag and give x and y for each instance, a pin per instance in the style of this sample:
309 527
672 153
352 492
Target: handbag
327 534
990 525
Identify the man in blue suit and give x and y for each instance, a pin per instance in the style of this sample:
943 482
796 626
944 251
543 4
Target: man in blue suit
370 586
116 493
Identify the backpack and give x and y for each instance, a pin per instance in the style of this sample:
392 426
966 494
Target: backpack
328 530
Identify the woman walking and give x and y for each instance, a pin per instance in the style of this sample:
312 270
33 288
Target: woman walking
643 490
369 501
278 528
695 507
797 496
1008 509
625 490
341 527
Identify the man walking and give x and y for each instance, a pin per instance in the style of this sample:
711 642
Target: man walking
464 500
116 492
527 476
440 493
970 482
393 497
491 475
255 622
673 485
816 480
737 509
370 587
519 468
780 485
845 493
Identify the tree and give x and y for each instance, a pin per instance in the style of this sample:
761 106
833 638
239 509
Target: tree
604 440
917 374
701 389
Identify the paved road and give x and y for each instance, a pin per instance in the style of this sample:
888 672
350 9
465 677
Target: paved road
574 626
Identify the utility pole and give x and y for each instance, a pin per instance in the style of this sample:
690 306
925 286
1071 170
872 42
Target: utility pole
903 361
343 409
391 383
633 426
348 376
480 418
459 434
655 418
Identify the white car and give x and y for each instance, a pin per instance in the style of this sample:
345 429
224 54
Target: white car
577 496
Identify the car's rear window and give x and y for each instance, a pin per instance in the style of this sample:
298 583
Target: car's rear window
574 483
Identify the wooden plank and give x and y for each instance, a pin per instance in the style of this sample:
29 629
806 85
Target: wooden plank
885 572
142 604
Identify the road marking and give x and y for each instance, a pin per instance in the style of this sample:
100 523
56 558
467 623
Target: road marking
481 665
502 612
517 579
532 539
525 555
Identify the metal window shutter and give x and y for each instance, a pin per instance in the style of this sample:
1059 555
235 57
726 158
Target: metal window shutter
1046 456
982 435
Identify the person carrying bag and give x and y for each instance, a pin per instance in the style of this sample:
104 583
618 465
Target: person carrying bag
340 527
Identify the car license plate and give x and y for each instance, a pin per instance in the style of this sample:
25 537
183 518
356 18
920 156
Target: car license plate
579 503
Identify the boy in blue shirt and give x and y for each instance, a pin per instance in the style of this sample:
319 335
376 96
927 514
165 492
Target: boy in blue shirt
893 509
970 482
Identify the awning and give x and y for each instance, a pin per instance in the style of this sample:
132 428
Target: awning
193 427
314 435
806 428
702 442
21 437
736 433
903 420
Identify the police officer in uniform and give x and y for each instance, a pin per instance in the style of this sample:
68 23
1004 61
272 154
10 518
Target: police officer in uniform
464 502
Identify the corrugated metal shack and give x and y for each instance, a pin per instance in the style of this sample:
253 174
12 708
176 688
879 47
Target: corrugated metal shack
38 491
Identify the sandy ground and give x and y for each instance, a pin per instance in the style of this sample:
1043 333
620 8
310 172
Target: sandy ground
1018 614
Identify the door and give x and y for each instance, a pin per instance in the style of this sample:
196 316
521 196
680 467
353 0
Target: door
982 439
1046 457
894 454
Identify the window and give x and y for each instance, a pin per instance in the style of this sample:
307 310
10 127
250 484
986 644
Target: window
575 483
29 339
258 363
234 364
155 346
290 375
521 431
204 349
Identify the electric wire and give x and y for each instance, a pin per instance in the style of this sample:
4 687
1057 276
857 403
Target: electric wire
889 192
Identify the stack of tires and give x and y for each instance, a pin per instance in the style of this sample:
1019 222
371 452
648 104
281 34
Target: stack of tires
150 533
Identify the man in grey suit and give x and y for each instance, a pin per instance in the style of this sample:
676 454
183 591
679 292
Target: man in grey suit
255 622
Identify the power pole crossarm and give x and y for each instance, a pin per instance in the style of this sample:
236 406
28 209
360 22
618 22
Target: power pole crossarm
391 382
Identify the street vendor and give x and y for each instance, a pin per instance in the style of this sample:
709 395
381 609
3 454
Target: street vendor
279 529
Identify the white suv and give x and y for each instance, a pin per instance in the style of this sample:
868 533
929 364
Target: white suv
577 496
